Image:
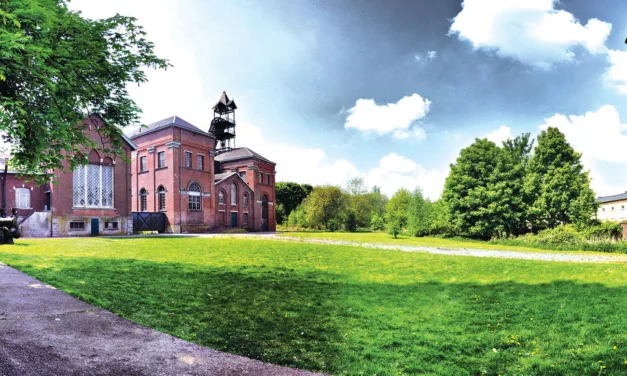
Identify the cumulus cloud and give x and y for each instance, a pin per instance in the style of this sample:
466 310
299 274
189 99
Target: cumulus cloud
392 118
530 31
499 135
617 72
432 55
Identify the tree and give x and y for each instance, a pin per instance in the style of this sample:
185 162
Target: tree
290 195
419 215
473 209
394 228
350 222
56 69
324 204
361 201
558 188
396 208
377 223
440 223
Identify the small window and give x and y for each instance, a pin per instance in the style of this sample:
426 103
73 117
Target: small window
142 164
161 197
261 178
188 159
245 219
77 226
242 174
245 200
221 197
161 159
201 162
22 198
268 179
193 193
143 199
112 225
233 194
612 208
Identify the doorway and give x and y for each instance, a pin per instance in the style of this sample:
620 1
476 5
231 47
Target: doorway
95 227
233 219
264 213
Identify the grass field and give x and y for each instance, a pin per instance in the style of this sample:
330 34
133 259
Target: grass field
350 310
384 238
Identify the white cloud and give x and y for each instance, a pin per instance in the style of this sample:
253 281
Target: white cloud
617 73
432 55
367 116
416 132
531 31
499 135
395 163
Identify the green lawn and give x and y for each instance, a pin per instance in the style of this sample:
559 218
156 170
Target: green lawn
351 310
384 238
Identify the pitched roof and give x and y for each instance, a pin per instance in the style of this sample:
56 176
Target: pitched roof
604 199
225 175
224 102
240 153
172 121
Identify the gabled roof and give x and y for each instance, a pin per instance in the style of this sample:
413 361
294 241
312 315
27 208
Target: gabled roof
604 199
240 153
225 102
172 121
124 136
219 178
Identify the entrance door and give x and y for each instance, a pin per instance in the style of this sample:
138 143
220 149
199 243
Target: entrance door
233 219
95 227
264 213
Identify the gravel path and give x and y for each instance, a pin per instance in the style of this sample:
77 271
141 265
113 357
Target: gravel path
541 256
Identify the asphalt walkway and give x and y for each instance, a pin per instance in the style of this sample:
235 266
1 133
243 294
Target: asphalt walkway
44 331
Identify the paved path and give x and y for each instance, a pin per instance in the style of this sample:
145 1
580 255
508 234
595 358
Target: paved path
44 331
473 252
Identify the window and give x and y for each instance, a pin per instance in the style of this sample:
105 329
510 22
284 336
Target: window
233 194
260 177
161 197
93 186
188 159
194 196
245 200
201 162
221 197
161 159
143 199
142 163
22 198
77 226
242 174
245 219
268 178
112 225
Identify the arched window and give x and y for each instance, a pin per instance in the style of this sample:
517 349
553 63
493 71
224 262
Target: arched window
22 198
161 197
245 200
143 199
221 197
194 196
233 194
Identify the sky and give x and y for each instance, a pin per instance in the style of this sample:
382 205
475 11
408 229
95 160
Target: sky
391 90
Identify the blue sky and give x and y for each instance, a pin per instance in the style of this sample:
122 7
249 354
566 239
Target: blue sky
391 90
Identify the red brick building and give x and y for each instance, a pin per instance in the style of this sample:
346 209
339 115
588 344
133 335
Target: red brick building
199 179
93 199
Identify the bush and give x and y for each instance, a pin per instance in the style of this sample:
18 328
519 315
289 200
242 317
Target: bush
334 224
377 223
603 231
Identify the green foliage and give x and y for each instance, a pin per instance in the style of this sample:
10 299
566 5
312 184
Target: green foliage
289 195
559 188
396 207
605 230
325 203
394 228
301 217
419 215
377 223
56 69
440 221
350 222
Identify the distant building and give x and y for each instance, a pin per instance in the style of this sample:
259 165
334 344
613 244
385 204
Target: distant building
199 179
612 208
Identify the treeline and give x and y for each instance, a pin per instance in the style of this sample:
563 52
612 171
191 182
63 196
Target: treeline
492 191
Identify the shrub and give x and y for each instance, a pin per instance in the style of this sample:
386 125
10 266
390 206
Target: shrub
603 231
377 223
334 224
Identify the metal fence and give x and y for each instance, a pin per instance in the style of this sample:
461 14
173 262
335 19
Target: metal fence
147 221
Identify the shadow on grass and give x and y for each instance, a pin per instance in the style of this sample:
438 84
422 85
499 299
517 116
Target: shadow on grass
331 323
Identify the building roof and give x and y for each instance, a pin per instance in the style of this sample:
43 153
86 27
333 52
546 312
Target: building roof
619 197
172 121
240 153
225 175
225 103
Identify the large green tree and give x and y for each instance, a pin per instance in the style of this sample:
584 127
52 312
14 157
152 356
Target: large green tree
396 208
557 184
289 195
325 207
419 215
56 68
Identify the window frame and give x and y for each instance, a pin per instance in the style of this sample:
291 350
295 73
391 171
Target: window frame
143 165
160 159
18 194
185 160
161 198
260 177
194 198
245 200
268 179
200 161
143 200
86 187
80 228
234 189
221 194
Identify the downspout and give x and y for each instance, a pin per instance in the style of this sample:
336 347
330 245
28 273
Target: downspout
4 186
180 187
